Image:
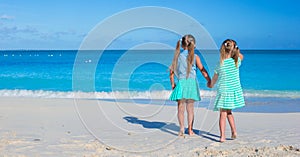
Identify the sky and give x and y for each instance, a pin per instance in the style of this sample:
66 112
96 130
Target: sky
57 24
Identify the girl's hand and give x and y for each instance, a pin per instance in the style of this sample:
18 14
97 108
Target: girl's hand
209 85
173 86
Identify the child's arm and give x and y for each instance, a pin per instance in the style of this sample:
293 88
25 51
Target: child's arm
241 56
202 69
172 79
214 80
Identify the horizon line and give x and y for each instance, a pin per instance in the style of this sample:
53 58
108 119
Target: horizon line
258 49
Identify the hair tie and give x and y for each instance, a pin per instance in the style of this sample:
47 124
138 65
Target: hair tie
226 44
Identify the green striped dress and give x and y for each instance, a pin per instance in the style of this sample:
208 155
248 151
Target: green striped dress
229 90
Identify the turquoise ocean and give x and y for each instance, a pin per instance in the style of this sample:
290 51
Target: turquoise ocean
270 78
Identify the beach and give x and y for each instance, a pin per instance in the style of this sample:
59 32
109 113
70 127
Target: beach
86 127
94 79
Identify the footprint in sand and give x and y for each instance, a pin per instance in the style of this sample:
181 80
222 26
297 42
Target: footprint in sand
242 142
264 141
215 144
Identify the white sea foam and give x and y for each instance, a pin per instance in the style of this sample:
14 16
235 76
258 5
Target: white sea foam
86 95
272 93
163 94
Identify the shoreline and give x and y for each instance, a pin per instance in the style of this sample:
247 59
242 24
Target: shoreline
254 104
48 127
137 94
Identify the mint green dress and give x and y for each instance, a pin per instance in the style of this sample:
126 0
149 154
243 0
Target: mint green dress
229 90
186 88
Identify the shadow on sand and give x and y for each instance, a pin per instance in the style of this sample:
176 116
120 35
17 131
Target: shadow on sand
169 128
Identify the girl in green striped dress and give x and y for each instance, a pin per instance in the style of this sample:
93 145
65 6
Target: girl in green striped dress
229 91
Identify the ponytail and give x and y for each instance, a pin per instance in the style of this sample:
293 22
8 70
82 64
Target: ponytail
235 55
190 57
229 47
189 42
173 67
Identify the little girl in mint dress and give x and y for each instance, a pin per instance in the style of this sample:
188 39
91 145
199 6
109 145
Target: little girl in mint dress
187 87
186 91
229 91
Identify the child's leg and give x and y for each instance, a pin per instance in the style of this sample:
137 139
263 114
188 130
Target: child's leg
190 115
232 124
222 124
180 115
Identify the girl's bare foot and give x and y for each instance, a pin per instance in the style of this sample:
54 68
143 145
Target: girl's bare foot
181 132
233 135
222 139
191 132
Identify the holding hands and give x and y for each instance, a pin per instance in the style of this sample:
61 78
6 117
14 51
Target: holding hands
209 85
211 82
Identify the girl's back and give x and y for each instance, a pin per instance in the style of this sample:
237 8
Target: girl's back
182 66
229 80
229 95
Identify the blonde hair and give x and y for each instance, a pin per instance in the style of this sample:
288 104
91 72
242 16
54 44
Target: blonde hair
229 46
189 42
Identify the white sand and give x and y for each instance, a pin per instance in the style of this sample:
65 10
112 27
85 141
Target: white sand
53 127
